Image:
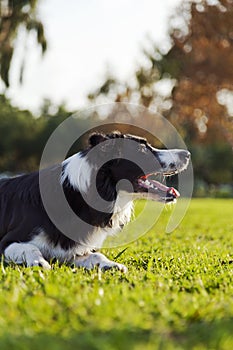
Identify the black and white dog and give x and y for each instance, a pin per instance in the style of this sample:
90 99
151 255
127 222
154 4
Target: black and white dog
28 235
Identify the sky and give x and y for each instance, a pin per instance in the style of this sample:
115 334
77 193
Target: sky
85 40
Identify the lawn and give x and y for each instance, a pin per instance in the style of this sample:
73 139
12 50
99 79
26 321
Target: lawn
178 293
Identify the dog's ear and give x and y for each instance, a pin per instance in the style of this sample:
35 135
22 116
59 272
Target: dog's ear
107 143
96 138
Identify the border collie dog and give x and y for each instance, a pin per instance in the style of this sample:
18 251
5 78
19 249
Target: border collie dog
29 236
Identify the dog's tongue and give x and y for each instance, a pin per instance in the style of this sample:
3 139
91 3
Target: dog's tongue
166 189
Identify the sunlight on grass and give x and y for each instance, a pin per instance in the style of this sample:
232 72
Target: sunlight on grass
176 295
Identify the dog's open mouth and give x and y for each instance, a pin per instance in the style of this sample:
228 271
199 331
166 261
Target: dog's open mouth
156 190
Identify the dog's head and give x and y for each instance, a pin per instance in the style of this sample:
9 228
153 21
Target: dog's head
126 157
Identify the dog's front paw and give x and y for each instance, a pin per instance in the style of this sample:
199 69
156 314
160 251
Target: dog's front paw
93 260
116 266
39 262
27 254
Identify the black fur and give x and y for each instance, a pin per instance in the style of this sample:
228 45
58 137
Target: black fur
22 213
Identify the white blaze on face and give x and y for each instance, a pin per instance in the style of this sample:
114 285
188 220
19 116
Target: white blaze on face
173 160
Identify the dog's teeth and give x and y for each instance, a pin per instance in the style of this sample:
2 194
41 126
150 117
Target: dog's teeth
150 185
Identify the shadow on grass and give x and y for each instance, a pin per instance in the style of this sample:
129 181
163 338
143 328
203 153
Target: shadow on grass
214 335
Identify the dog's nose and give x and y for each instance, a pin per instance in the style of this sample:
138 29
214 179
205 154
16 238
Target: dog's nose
184 156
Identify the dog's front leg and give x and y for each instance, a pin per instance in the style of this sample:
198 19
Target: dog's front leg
25 253
91 260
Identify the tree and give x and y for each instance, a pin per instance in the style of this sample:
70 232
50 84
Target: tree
200 62
23 137
18 130
199 65
13 15
202 52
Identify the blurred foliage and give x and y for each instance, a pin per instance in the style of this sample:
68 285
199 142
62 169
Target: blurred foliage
13 15
17 130
23 136
199 68
198 64
205 52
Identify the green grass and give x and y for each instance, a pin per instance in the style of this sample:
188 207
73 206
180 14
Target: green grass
178 293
